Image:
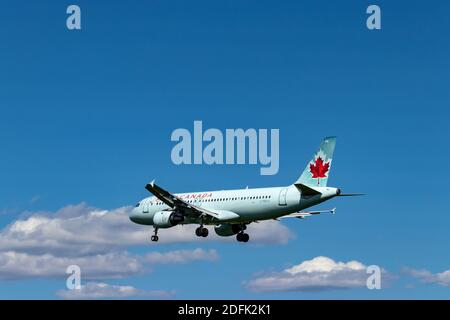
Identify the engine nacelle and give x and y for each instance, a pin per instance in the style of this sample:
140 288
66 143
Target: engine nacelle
226 230
167 219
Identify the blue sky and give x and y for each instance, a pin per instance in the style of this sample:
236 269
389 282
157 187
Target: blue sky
86 116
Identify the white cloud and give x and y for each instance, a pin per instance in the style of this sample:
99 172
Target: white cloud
181 256
269 232
82 230
325 265
266 232
441 278
98 290
78 230
43 244
318 274
16 265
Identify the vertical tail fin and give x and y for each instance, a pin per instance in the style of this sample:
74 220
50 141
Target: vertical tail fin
317 170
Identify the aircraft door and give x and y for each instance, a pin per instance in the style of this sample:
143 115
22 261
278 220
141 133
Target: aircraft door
282 197
145 206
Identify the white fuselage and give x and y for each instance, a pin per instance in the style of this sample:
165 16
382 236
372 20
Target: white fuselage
248 204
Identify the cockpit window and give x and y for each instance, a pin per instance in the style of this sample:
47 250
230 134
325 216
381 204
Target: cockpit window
137 205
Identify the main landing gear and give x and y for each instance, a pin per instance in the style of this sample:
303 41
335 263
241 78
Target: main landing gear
201 232
155 237
242 237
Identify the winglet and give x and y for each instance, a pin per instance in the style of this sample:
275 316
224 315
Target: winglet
150 186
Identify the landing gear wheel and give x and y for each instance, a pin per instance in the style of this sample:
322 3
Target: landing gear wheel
201 232
155 237
242 237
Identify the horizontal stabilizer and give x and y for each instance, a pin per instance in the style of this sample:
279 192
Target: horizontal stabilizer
304 214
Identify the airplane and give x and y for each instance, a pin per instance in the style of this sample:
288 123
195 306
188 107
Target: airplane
230 211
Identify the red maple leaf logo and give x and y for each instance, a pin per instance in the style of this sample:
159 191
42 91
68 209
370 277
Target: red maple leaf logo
319 169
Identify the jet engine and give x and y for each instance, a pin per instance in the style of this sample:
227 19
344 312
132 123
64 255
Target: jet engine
226 230
167 219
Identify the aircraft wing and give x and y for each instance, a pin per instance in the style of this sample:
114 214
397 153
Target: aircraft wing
304 214
178 204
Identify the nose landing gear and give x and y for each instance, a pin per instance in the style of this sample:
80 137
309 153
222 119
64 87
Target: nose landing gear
155 237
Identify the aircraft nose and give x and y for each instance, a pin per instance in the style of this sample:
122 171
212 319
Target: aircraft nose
134 215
